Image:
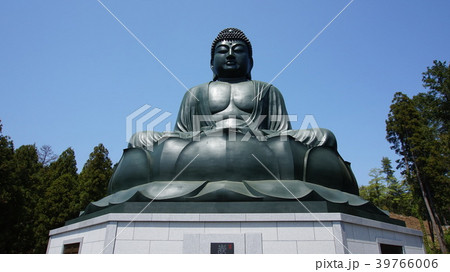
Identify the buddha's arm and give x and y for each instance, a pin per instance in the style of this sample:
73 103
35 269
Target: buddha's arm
278 115
187 107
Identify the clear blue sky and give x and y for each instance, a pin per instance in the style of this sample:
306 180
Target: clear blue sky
70 73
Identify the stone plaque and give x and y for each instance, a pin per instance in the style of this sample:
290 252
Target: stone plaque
222 248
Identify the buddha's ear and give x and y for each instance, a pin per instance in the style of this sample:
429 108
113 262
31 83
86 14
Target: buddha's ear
251 64
214 72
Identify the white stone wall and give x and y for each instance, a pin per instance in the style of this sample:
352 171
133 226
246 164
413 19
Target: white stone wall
367 239
92 239
287 233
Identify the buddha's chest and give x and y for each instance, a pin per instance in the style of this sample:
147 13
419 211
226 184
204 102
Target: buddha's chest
231 98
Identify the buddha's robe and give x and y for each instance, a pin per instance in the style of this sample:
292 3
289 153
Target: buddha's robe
268 118
256 144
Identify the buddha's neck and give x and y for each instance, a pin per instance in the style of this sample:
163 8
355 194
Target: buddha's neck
232 79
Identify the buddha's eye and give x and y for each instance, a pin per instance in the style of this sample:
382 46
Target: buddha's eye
222 49
239 49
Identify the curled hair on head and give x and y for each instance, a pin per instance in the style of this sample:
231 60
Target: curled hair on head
231 34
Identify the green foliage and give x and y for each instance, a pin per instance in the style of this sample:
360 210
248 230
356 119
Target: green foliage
8 198
447 238
27 181
398 196
41 191
37 194
375 192
430 246
417 129
419 135
385 191
6 168
21 187
437 80
387 168
95 176
59 200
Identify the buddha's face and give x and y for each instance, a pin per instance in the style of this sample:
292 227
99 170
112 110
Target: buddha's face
231 60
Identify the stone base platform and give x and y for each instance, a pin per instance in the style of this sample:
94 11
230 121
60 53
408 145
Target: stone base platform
238 233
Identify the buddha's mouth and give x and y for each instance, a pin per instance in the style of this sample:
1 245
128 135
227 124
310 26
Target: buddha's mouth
230 63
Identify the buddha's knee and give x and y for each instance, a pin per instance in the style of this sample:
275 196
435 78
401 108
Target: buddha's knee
316 137
325 167
327 138
133 169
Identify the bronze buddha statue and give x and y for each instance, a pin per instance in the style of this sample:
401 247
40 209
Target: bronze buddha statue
232 141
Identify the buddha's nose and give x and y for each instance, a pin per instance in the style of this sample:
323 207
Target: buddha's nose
230 53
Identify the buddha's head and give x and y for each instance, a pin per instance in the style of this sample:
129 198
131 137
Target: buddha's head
231 55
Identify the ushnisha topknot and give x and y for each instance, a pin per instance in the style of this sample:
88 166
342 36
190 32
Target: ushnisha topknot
231 34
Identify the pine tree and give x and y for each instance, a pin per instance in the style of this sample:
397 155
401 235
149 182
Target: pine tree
386 192
398 197
377 189
417 129
437 80
60 198
95 176
26 177
387 168
6 166
7 192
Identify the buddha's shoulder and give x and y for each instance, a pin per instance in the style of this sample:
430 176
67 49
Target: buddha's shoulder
199 88
196 91
266 87
258 82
